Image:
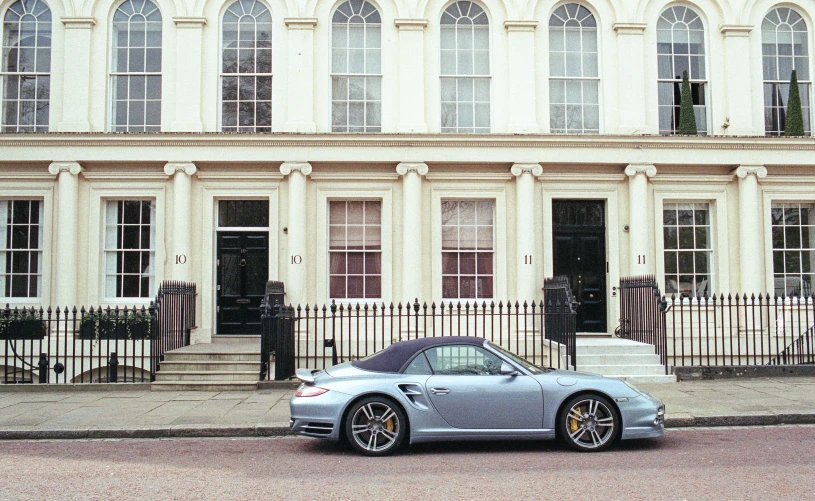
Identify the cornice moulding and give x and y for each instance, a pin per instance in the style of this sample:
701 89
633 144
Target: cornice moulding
239 176
418 24
469 176
353 176
735 29
300 23
629 28
126 176
693 178
520 25
192 22
78 22
569 177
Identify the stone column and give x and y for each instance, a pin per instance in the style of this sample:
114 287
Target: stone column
180 253
639 224
76 83
412 273
300 76
411 75
631 77
739 117
65 246
750 262
298 205
188 74
527 288
521 53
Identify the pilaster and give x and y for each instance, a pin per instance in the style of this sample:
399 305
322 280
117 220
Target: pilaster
76 85
297 256
412 273
750 255
188 57
300 75
521 54
641 260
526 262
180 250
65 285
411 76
631 77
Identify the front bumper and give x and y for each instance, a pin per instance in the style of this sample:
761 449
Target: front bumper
643 417
319 416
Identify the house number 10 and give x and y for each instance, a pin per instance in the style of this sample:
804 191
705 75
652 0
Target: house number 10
296 259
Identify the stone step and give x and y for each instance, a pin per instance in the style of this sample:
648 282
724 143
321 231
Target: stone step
209 365
215 376
627 370
612 347
670 378
204 386
625 359
236 339
248 356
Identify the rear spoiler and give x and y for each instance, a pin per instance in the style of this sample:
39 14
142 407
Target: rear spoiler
305 375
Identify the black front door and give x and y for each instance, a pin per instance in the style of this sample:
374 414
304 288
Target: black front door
243 269
579 237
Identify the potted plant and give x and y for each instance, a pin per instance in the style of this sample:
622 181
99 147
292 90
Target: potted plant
22 324
115 324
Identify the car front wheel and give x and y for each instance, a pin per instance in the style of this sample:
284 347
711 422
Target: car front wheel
375 426
589 423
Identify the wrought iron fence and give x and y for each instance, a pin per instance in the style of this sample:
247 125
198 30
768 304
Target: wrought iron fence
642 314
94 345
348 331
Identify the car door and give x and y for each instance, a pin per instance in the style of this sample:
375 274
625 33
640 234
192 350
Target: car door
469 392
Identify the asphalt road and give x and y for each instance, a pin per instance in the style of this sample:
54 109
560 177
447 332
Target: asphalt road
720 464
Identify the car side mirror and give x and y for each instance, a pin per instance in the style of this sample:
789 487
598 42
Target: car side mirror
508 370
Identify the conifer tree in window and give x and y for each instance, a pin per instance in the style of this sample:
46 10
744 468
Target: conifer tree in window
795 116
687 120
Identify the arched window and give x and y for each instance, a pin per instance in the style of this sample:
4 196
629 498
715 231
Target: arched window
246 68
465 68
784 48
680 48
25 76
574 78
135 77
356 68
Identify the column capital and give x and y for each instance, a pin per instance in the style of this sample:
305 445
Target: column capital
528 26
745 170
300 23
736 30
647 169
71 167
188 168
419 168
629 28
190 22
410 24
287 168
519 169
75 22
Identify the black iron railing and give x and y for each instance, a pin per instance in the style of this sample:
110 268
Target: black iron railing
560 315
642 314
738 329
95 345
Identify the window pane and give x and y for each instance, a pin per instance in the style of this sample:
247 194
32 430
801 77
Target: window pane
355 225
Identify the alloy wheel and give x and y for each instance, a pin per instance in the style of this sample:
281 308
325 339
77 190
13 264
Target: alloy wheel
589 424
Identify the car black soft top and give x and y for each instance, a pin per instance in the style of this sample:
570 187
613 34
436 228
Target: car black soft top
395 356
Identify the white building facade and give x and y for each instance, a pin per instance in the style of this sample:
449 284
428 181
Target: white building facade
376 151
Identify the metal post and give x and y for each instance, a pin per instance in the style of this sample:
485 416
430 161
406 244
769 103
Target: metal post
113 368
43 364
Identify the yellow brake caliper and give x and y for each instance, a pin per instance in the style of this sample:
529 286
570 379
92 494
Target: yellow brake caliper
389 424
573 422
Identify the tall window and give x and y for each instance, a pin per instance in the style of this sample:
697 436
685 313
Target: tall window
355 249
574 105
21 248
680 48
793 227
135 77
465 68
246 68
356 68
467 249
688 249
783 49
25 76
129 248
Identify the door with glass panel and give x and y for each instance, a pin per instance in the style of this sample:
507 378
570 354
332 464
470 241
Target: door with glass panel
242 265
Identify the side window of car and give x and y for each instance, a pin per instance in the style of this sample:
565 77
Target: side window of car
419 366
463 361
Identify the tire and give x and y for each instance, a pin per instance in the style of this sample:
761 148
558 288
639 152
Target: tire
375 426
589 423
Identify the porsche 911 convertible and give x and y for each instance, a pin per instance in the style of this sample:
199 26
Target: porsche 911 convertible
466 388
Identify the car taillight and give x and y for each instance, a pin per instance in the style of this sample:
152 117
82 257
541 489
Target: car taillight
309 391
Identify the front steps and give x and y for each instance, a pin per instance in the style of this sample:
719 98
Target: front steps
621 358
224 365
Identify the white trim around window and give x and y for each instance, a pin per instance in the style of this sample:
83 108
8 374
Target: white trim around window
363 191
464 191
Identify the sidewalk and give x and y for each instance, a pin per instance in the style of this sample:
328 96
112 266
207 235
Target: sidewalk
55 413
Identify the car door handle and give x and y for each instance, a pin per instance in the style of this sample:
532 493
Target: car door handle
439 391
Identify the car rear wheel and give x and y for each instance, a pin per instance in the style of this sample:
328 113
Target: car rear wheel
375 426
589 423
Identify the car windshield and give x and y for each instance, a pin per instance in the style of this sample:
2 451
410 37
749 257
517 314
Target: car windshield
534 369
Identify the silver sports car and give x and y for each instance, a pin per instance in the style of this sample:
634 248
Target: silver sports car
466 388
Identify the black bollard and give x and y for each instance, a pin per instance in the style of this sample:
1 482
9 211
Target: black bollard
43 364
113 368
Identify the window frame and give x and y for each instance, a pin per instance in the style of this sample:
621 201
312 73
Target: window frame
4 73
488 76
113 75
45 196
800 273
458 251
705 83
364 250
118 250
710 250
222 75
